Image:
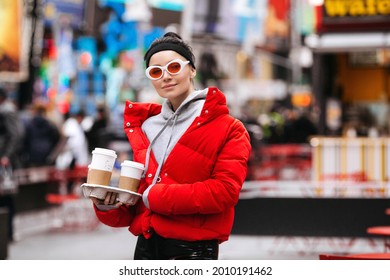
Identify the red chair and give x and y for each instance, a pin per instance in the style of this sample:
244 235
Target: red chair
368 256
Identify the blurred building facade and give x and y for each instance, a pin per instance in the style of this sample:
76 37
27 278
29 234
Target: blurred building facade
351 61
329 58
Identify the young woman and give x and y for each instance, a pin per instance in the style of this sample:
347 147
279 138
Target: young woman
195 157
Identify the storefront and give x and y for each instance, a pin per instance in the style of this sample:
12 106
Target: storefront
351 80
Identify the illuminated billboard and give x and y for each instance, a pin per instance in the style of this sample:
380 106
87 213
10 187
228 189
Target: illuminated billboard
13 57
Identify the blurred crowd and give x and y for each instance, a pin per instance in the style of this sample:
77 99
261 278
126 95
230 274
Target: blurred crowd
36 138
281 124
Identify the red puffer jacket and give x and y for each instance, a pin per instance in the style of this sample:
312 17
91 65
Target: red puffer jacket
199 182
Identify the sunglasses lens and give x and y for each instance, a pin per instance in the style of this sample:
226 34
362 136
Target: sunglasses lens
174 67
155 72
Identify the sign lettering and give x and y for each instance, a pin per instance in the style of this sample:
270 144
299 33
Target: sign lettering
356 8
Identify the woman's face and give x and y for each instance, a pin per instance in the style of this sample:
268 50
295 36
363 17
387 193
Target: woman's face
175 88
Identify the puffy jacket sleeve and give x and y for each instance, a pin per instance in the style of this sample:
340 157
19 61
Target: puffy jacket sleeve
120 217
214 195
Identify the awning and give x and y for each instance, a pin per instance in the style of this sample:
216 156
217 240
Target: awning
347 42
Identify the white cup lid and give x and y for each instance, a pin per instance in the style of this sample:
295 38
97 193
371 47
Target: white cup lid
133 164
104 152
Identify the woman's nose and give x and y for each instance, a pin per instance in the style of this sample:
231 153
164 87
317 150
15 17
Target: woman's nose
166 75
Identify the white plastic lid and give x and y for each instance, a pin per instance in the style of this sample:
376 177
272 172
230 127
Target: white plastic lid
133 164
104 152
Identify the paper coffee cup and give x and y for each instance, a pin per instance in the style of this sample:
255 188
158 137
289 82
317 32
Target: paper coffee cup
103 159
130 175
100 169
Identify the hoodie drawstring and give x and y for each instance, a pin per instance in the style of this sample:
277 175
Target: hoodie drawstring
174 118
165 152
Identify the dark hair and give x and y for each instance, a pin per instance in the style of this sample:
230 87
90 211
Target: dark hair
170 41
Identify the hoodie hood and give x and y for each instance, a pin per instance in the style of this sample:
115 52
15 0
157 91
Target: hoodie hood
166 128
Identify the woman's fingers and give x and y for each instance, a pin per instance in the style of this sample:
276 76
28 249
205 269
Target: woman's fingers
113 198
110 198
118 204
96 201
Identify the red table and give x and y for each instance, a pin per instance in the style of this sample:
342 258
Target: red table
382 231
367 256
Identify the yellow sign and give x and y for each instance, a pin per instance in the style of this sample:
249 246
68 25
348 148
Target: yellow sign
356 8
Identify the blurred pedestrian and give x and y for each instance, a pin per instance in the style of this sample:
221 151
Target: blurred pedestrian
76 147
208 69
75 153
195 157
42 137
11 138
96 134
299 127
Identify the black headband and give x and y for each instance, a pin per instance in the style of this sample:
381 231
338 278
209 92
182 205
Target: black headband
169 46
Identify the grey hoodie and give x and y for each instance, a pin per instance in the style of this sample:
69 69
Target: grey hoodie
166 128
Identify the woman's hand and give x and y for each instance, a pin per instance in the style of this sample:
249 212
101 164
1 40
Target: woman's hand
110 199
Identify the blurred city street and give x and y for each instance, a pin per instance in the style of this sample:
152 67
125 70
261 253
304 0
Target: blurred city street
39 236
42 235
106 243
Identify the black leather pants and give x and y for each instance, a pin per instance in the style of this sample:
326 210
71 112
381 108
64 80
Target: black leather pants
159 248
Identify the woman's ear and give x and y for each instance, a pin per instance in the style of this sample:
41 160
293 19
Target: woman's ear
193 73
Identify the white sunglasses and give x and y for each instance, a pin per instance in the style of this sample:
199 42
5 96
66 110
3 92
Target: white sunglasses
173 68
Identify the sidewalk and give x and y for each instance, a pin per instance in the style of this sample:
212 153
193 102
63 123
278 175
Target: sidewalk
59 234
105 243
